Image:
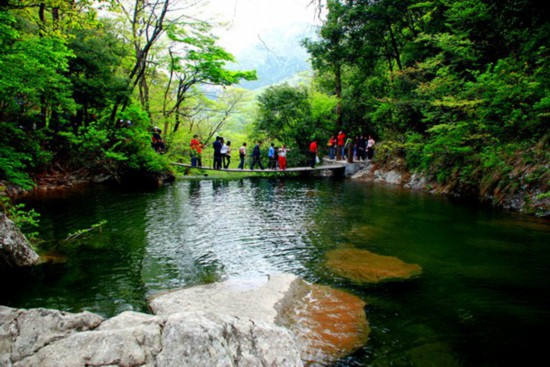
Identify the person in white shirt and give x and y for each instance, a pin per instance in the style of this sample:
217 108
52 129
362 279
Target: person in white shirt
282 157
226 154
370 147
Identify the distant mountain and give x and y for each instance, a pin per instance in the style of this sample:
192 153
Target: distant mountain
277 55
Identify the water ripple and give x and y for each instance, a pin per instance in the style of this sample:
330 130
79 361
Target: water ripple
238 228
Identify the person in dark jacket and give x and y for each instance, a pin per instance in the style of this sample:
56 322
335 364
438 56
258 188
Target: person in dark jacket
217 145
256 156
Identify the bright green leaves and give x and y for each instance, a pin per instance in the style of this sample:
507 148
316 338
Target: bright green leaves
32 67
197 53
294 115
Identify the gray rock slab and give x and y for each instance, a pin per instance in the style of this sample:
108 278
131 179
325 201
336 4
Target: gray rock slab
254 299
213 335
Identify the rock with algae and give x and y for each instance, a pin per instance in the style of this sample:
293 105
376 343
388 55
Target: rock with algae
363 266
328 323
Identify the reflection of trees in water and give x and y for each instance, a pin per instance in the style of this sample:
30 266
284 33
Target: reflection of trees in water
99 272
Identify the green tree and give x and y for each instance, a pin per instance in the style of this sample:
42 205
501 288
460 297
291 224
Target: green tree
294 115
196 59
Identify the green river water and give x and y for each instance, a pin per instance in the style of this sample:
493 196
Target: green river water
482 300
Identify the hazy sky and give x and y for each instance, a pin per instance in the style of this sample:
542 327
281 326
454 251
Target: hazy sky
248 18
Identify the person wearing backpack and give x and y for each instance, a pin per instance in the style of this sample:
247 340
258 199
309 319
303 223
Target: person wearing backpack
242 155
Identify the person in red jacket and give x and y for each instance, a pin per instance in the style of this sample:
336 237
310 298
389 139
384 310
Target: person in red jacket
282 157
313 153
341 138
332 147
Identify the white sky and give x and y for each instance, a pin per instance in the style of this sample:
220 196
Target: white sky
247 19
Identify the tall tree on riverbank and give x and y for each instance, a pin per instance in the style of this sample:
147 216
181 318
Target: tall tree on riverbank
196 60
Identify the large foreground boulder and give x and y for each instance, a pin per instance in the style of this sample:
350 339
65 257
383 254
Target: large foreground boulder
15 250
136 339
327 323
258 323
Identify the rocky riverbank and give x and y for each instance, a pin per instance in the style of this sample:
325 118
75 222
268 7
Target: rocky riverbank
60 180
521 194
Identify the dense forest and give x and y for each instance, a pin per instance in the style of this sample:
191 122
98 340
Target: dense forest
457 90
83 83
454 90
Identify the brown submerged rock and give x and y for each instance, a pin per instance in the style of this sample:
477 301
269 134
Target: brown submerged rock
328 323
363 266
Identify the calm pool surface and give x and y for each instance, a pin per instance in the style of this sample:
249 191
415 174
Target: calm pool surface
482 300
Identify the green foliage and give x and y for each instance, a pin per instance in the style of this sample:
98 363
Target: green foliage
100 148
203 58
26 220
21 153
294 115
460 88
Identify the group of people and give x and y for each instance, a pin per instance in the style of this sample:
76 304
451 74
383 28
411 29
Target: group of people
339 147
222 153
358 149
276 156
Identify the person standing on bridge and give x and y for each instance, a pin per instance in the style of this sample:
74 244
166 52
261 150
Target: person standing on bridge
242 155
332 147
341 139
217 145
256 157
271 155
282 157
196 150
313 153
226 154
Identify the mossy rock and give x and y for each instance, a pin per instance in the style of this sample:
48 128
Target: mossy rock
362 266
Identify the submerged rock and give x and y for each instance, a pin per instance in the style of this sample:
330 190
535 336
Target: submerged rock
328 323
280 321
15 250
363 266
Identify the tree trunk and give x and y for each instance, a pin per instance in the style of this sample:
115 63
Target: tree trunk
338 90
397 54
